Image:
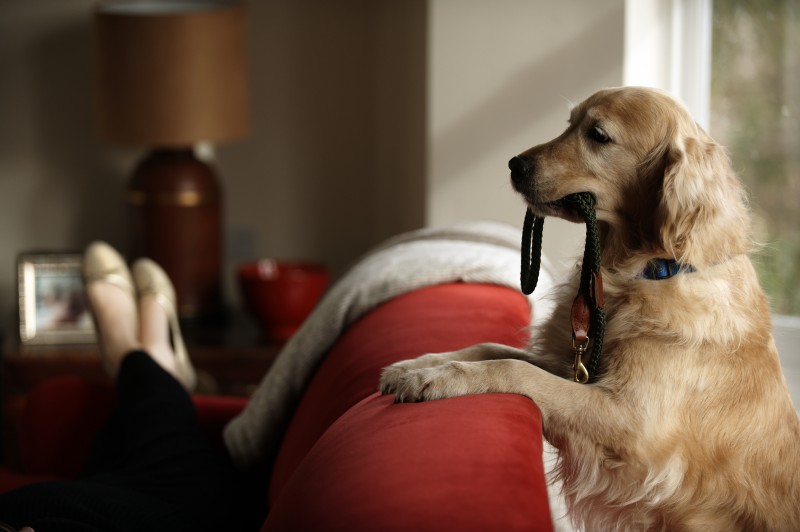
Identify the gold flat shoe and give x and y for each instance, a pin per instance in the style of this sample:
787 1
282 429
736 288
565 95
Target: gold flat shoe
151 279
102 264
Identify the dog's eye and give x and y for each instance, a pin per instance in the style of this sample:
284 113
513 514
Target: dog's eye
597 134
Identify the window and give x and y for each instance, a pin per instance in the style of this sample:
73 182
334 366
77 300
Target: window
755 113
750 102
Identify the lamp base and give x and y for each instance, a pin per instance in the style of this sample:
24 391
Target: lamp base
174 203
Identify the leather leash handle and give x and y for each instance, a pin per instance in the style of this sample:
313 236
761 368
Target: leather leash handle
581 317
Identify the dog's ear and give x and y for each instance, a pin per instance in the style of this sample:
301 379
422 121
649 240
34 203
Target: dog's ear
703 216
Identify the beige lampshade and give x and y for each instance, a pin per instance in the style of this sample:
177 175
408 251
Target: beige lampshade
171 73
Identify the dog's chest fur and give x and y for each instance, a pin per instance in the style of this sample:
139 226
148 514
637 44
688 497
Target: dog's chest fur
672 357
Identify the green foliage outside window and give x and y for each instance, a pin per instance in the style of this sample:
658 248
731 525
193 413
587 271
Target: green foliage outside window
755 113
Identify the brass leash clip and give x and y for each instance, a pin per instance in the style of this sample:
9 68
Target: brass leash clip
579 370
580 316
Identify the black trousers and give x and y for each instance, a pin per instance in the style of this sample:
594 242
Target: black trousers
150 468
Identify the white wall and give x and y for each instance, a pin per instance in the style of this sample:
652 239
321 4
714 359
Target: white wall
370 117
335 163
501 78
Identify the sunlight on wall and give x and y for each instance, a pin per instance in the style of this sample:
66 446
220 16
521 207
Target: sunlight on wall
501 79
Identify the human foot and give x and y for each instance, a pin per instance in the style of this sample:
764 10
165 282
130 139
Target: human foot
110 295
159 328
154 332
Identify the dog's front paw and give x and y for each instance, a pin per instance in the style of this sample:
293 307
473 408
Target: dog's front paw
414 384
394 373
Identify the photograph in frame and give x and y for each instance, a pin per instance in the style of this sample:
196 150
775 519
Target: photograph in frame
52 306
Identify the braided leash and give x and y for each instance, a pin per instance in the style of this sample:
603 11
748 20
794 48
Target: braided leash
588 318
531 252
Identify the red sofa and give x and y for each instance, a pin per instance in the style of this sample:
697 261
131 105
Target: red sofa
351 459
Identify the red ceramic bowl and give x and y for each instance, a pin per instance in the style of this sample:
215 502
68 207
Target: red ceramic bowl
282 294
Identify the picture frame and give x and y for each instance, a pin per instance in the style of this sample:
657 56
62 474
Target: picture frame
52 305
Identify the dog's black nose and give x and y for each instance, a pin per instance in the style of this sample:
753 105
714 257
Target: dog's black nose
521 168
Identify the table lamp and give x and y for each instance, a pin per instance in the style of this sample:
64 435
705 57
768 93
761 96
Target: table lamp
172 75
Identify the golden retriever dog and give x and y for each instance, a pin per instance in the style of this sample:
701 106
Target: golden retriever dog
689 424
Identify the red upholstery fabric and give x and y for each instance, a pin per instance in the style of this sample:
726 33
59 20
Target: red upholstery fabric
432 320
60 420
214 412
463 464
352 460
62 415
10 479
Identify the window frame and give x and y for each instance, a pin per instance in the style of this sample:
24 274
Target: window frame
668 46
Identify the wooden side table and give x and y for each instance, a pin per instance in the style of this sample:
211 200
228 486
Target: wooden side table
230 359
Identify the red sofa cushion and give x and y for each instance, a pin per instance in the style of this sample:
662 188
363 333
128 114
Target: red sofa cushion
469 463
431 320
352 460
62 415
10 479
59 422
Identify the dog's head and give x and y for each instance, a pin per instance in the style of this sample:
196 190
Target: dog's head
663 187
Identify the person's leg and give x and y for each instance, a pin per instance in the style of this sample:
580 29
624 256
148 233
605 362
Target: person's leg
151 467
126 323
152 403
111 297
152 409
152 444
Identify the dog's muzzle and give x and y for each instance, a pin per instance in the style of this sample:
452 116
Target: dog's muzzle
521 171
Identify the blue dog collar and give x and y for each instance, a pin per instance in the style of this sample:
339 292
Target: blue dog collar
658 269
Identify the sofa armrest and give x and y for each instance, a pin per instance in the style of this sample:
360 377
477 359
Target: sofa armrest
353 460
471 463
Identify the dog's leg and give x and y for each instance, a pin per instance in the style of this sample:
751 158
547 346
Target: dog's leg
492 368
584 418
392 374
